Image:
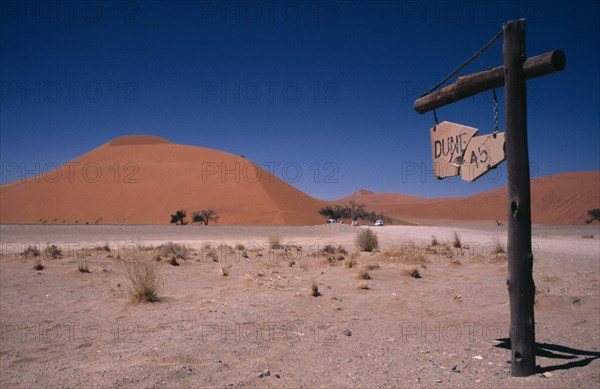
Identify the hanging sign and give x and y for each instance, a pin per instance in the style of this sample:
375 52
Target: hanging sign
482 154
448 144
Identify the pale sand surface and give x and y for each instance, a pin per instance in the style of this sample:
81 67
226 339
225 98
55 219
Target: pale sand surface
64 328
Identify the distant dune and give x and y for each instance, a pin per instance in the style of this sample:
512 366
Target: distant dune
144 179
562 199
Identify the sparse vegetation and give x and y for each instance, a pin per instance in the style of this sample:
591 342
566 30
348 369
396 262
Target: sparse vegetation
239 246
173 261
142 275
364 285
314 290
83 267
413 272
498 248
372 266
434 241
224 270
178 250
37 264
349 263
275 242
53 251
30 251
456 242
363 275
366 240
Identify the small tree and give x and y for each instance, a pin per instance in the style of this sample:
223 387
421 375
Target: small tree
206 216
178 217
356 211
593 215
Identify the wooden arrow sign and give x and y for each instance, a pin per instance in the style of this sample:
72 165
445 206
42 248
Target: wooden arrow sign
483 153
448 144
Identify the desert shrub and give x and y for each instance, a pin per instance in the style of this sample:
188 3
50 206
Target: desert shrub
178 250
498 247
53 251
434 241
372 266
314 290
142 276
83 267
349 263
275 242
364 275
173 261
456 242
363 285
224 270
38 265
31 250
413 272
366 240
239 246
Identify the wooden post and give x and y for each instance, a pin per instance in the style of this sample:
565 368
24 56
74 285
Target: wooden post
521 288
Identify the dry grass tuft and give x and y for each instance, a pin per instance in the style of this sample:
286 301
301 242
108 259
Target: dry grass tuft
53 251
239 246
364 275
372 266
275 242
498 247
364 285
366 240
456 242
37 265
224 270
314 290
173 261
178 250
83 267
30 250
142 276
434 241
349 263
413 272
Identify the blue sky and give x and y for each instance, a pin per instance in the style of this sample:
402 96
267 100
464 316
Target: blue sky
320 91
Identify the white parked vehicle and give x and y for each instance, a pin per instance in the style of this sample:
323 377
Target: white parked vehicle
331 221
354 223
378 223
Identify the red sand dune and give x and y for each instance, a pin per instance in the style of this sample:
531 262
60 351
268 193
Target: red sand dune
144 179
562 199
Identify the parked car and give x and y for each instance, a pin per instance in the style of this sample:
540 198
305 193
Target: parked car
378 223
354 223
331 221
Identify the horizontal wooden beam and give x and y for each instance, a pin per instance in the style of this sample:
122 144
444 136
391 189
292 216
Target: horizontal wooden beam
472 84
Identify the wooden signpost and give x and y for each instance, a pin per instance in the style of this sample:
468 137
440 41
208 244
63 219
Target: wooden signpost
513 75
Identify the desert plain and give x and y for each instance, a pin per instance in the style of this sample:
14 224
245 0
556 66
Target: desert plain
74 324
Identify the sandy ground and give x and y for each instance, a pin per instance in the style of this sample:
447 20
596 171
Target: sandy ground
64 328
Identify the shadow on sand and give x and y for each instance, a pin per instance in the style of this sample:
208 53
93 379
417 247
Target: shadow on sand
549 350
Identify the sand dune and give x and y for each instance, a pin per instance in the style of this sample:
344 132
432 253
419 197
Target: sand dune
144 179
562 199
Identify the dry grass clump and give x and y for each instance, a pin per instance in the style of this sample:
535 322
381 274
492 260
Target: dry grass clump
53 251
413 272
275 242
498 247
366 240
363 285
142 276
331 249
173 261
314 290
363 274
239 246
434 241
30 250
372 266
83 267
349 263
178 250
456 241
37 264
211 253
105 247
224 270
